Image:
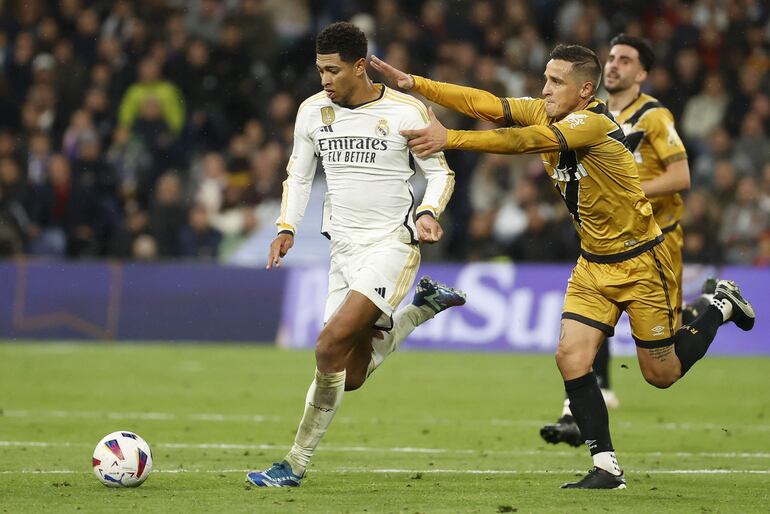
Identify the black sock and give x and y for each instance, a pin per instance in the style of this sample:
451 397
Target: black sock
601 365
692 341
590 412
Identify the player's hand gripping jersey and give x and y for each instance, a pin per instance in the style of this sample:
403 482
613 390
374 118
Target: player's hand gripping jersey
366 162
584 153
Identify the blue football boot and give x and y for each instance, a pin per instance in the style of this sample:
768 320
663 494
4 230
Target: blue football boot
279 474
437 296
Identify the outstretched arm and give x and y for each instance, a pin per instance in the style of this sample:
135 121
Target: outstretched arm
435 137
472 102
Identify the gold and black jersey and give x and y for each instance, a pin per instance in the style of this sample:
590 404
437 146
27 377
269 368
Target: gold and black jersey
584 153
652 138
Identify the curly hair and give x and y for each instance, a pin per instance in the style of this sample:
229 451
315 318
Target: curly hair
583 60
342 38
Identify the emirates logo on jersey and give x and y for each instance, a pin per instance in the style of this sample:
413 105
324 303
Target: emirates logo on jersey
382 129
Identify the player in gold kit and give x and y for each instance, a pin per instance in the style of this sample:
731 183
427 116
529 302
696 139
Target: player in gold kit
623 265
663 170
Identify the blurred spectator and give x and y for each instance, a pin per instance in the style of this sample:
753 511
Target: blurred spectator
541 240
719 148
749 82
198 239
117 24
38 153
132 163
145 248
257 27
204 18
167 214
213 182
701 227
13 225
152 88
265 177
744 221
725 183
62 214
12 182
201 86
753 141
85 37
135 224
704 112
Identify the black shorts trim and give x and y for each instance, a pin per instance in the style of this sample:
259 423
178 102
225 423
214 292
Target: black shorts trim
665 293
670 228
622 256
608 330
384 329
651 345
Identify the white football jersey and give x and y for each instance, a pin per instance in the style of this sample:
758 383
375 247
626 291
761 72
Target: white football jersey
366 162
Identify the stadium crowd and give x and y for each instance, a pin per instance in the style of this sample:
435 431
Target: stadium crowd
161 129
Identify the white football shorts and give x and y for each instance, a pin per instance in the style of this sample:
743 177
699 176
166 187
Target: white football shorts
383 271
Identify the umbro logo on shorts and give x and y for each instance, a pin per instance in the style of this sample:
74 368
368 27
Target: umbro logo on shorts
380 291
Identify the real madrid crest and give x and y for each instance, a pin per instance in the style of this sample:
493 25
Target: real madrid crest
382 128
327 115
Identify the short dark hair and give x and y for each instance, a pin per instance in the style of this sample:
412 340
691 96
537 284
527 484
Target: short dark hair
646 55
342 38
583 60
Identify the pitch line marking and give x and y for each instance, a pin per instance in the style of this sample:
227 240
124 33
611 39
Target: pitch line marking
370 449
424 471
258 418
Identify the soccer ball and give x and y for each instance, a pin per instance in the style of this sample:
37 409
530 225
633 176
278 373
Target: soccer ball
122 459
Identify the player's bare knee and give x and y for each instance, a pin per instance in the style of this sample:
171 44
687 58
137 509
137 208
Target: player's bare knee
571 364
329 352
660 378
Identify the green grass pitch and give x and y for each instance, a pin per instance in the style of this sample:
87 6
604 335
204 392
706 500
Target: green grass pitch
430 432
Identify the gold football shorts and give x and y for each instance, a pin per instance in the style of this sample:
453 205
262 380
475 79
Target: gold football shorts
645 286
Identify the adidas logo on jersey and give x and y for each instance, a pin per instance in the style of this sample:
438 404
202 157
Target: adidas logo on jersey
327 128
380 291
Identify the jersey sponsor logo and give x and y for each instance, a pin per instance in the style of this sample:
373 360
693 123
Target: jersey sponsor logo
568 172
352 143
382 129
575 120
327 115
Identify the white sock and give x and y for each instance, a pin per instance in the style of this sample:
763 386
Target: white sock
565 410
724 306
404 323
608 462
321 404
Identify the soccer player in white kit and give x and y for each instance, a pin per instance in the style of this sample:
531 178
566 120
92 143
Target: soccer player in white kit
353 125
